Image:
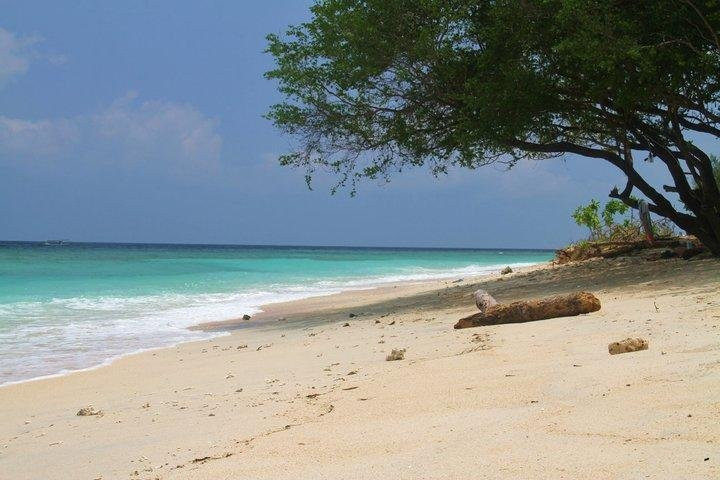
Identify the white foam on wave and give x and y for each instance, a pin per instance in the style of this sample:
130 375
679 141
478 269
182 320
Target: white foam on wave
41 339
421 274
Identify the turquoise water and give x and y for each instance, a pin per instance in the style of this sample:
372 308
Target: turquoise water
74 306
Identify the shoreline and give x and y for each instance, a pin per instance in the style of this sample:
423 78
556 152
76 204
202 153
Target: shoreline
284 310
269 312
313 397
106 363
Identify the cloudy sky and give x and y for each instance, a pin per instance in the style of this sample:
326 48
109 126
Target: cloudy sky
141 121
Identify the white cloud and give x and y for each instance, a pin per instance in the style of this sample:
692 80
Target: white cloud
156 130
44 137
18 52
151 134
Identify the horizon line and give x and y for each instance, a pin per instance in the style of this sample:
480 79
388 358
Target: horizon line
268 245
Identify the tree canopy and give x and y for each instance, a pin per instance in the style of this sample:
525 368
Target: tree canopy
373 86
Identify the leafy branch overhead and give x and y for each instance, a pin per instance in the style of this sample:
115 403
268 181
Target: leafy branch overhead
373 87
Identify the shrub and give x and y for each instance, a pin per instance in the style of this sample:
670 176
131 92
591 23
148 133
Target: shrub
587 216
625 229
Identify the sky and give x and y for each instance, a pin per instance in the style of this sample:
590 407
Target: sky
141 121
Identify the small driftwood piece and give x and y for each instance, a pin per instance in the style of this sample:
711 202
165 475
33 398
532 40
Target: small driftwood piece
530 311
483 300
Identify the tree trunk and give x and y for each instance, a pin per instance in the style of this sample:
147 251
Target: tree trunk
706 228
530 311
711 218
704 223
709 239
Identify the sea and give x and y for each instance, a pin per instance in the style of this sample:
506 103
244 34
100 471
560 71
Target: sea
73 306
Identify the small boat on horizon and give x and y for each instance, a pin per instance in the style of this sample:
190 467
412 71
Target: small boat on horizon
56 243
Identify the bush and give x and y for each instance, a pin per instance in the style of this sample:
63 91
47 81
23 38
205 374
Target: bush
587 216
625 229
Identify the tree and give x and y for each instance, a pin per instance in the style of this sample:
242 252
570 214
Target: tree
374 86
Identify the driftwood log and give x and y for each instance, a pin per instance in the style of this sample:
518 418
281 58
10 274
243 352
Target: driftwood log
530 311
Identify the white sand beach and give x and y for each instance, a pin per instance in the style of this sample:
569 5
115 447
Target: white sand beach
312 396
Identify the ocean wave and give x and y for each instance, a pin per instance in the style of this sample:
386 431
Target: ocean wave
422 274
38 339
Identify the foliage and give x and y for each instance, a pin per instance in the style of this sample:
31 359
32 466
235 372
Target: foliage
612 208
587 216
663 228
373 87
627 229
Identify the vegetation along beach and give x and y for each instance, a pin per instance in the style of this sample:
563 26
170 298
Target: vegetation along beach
344 239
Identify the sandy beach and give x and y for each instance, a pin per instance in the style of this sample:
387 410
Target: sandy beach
303 391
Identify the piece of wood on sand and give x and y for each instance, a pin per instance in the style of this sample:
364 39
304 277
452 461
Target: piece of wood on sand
483 300
532 310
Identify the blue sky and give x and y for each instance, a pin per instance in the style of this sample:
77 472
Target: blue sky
141 121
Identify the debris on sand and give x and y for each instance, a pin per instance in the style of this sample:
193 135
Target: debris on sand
483 300
628 345
479 337
346 324
506 270
246 317
88 411
208 458
396 354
